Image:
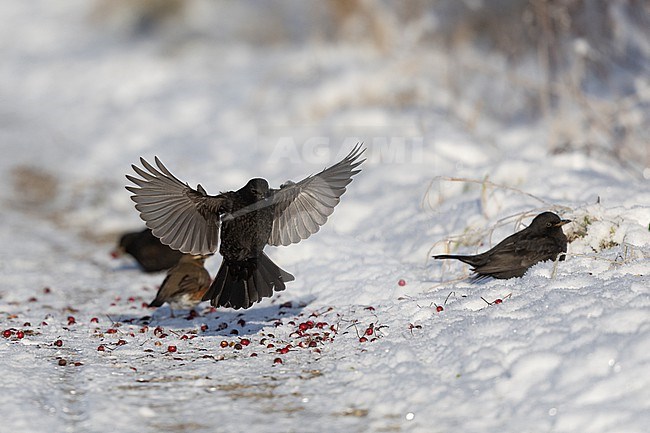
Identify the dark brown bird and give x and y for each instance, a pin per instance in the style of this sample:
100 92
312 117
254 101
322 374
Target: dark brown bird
185 284
542 240
250 218
147 250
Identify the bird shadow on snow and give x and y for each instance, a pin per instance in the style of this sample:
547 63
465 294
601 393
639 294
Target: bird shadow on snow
221 322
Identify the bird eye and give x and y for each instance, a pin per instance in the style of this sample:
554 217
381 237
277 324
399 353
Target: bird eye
549 225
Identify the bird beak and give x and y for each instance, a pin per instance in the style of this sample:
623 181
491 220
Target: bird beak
562 222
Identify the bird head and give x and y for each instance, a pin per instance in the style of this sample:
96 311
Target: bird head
548 221
257 188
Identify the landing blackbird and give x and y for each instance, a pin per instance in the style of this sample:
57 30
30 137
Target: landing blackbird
184 285
189 220
542 240
146 249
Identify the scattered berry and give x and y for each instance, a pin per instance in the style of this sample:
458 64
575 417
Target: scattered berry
245 341
62 362
71 320
401 283
111 331
101 348
283 350
277 361
204 327
171 349
238 346
224 343
370 330
20 334
94 320
58 343
253 354
47 290
363 340
498 301
121 342
77 363
439 308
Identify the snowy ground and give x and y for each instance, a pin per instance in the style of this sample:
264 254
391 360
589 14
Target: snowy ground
567 349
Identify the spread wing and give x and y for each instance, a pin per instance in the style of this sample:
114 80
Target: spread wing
184 218
301 208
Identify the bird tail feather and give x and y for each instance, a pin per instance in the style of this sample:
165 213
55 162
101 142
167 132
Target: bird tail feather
470 260
239 284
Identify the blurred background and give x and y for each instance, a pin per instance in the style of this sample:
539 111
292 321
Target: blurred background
90 86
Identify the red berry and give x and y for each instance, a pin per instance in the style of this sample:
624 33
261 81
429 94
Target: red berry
7 333
238 346
204 327
184 337
47 290
43 323
101 348
283 350
363 340
62 362
439 308
498 301
77 363
277 361
27 324
111 331
270 346
20 334
58 343
369 331
171 349
131 299
71 320
245 341
224 343
94 320
253 354
312 343
303 327
401 283
310 324
121 342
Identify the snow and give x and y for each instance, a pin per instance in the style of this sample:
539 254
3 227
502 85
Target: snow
567 349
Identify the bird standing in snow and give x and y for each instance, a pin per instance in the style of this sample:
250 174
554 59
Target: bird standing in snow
250 218
542 240
184 285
